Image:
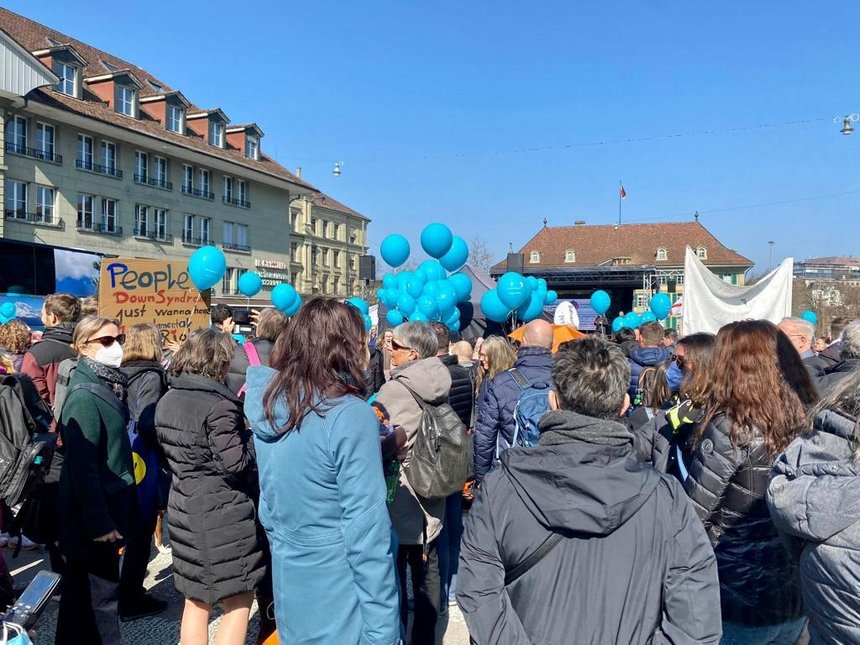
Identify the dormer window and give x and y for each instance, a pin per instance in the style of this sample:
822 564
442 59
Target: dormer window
68 78
702 253
175 119
216 134
126 100
252 147
570 255
535 257
661 254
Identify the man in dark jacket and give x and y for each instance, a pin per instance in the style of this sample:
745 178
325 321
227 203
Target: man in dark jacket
650 353
850 360
633 559
832 353
42 361
801 333
496 406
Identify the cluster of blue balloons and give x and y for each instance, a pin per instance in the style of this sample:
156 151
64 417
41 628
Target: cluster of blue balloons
364 308
514 292
8 312
660 307
430 293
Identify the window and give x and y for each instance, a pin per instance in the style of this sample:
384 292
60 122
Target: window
570 255
228 233
294 252
109 157
335 260
16 134
68 78
325 257
16 199
315 253
535 257
85 212
252 147
294 221
242 236
216 134
141 166
188 229
204 183
204 230
175 118
229 281
160 223
45 140
335 283
228 189
336 230
85 152
161 172
661 254
702 253
187 178
243 192
109 216
141 220
45 204
125 100
324 227
313 225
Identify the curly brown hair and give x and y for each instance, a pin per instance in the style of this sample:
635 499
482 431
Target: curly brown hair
14 337
760 383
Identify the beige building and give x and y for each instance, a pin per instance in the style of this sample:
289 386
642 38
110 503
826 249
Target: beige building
101 156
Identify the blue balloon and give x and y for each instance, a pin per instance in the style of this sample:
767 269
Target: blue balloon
618 324
293 309
359 304
533 282
394 317
456 255
513 290
632 320
417 316
431 270
809 316
415 285
648 316
394 250
532 308
446 298
206 267
380 295
8 312
431 289
427 306
494 309
405 304
452 322
391 296
660 305
250 284
283 297
462 285
541 286
600 301
436 240
368 322
390 281
551 297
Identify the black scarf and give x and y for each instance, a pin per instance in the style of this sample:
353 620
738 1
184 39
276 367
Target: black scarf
111 377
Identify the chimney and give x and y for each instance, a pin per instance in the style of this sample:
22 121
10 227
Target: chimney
299 172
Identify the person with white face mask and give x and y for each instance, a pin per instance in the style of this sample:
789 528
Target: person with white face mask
98 500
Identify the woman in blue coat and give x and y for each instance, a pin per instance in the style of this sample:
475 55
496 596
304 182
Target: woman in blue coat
322 491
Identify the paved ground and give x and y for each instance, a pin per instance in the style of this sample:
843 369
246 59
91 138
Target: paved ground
164 628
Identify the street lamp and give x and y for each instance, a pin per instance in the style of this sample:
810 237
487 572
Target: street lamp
770 268
338 169
847 128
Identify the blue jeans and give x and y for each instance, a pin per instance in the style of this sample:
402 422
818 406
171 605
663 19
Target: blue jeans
449 545
781 634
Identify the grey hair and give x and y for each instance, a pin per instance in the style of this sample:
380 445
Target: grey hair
800 322
418 336
591 377
851 341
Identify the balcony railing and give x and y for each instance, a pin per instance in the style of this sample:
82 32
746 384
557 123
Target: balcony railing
236 202
153 181
230 246
194 241
98 227
32 152
196 192
154 236
33 218
89 166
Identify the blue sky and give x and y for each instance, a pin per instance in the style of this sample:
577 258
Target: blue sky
421 101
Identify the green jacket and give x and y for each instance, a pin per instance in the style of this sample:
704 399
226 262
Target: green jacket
97 487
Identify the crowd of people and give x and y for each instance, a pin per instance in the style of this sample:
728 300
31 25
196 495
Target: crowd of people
640 488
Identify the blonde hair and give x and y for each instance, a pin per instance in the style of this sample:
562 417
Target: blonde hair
142 343
206 352
89 327
500 355
14 337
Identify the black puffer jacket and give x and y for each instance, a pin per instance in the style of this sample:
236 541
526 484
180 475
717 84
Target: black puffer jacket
240 363
462 396
728 486
211 514
147 383
831 377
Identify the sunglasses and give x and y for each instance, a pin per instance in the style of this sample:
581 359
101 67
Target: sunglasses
107 341
395 345
679 361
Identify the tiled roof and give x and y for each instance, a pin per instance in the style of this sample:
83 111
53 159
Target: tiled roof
34 37
599 244
834 260
326 201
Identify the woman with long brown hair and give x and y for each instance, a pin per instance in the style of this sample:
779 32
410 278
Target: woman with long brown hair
322 491
495 354
756 406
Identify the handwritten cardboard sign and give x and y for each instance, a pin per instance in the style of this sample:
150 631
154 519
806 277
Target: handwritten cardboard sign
152 291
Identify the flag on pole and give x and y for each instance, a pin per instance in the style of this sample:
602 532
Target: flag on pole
622 193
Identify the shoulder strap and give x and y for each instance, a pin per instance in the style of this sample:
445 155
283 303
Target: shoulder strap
536 556
520 378
251 352
417 398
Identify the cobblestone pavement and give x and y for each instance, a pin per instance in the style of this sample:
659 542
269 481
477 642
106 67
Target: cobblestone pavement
164 628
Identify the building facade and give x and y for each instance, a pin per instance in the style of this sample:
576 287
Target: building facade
101 156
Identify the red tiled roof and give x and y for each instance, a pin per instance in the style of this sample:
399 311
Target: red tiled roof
834 260
600 244
326 201
34 37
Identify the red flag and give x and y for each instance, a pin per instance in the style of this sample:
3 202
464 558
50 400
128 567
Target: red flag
622 193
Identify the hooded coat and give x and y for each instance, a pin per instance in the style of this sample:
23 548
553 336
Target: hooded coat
814 500
831 376
416 519
634 566
322 503
641 358
42 361
240 362
210 511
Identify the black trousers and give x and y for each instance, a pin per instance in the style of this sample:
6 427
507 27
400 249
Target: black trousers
88 604
134 564
426 587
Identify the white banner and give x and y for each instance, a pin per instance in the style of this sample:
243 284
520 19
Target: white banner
710 303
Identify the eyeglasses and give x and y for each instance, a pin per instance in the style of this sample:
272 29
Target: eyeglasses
107 341
395 345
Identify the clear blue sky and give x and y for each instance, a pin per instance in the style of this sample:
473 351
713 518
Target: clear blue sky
418 99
